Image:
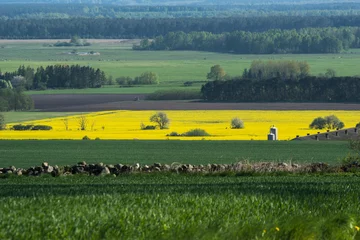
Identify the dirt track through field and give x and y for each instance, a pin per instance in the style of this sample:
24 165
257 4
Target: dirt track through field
104 102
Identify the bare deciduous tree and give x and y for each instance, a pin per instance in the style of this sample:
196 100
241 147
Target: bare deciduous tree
83 123
93 125
66 123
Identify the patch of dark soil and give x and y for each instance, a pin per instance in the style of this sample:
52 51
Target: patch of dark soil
60 101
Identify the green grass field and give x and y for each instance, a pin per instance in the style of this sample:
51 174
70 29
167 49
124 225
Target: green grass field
12 117
29 153
173 67
157 206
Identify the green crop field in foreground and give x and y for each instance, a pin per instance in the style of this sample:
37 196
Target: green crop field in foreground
169 206
173 67
27 153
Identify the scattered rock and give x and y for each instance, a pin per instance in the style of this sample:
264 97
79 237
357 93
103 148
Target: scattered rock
49 169
158 165
101 169
105 171
136 167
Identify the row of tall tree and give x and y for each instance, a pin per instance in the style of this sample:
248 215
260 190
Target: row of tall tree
56 76
307 40
150 28
307 89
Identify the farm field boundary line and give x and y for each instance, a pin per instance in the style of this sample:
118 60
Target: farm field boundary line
105 102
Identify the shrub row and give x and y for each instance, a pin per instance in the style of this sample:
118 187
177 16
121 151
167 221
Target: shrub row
175 94
20 127
197 132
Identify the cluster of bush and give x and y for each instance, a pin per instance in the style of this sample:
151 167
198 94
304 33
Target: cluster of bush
174 94
14 99
88 138
328 122
146 78
197 132
20 127
75 41
147 127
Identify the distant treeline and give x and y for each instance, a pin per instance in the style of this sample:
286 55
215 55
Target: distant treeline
307 89
308 40
150 28
46 10
55 76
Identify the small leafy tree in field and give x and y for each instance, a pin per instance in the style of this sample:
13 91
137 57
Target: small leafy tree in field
237 123
333 122
161 119
2 122
216 73
318 123
328 122
147 78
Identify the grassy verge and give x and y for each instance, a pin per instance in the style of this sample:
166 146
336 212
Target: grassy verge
180 207
27 153
11 117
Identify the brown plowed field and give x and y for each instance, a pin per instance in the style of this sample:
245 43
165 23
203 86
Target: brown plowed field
104 102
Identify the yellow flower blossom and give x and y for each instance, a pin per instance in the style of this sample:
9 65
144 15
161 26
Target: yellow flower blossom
126 125
357 228
277 229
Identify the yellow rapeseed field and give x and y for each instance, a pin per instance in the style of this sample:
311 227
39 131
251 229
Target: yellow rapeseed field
126 125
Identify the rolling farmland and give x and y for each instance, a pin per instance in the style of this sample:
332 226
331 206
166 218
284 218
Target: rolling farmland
173 67
126 125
